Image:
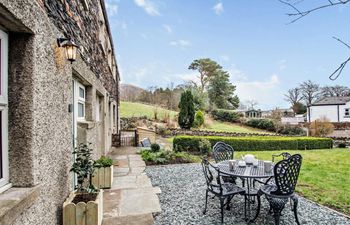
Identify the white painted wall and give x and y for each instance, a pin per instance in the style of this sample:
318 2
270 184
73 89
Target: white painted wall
328 111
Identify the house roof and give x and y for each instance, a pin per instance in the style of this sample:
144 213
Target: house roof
333 101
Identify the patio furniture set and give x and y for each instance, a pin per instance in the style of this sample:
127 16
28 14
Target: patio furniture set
275 180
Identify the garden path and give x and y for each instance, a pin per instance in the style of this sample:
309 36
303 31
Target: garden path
132 198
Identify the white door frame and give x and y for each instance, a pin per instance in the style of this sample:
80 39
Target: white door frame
4 180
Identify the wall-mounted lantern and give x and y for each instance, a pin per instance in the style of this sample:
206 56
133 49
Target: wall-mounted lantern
70 48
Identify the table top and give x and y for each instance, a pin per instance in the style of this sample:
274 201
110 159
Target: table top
248 171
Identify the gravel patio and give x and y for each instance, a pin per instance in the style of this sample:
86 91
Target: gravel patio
182 201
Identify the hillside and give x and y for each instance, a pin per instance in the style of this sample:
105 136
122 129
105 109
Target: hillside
131 109
129 92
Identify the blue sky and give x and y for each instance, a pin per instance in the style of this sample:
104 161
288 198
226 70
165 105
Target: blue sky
156 40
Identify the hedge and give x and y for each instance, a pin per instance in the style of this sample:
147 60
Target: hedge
264 124
225 115
254 143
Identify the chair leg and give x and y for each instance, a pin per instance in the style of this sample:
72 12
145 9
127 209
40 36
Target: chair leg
222 201
245 206
277 206
259 205
228 207
295 209
206 201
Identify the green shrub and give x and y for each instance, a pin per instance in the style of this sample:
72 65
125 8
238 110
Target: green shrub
225 115
264 124
291 130
198 119
104 161
167 157
155 147
204 146
341 145
253 143
186 114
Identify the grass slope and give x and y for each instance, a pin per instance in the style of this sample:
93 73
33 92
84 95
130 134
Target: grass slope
230 127
131 109
324 176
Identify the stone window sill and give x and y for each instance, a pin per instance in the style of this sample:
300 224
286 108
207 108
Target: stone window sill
14 201
86 124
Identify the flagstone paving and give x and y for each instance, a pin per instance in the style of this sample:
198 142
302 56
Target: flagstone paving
132 199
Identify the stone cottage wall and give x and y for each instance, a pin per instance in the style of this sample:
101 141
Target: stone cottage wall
40 91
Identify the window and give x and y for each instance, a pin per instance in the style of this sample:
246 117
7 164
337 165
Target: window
347 112
4 170
81 101
97 108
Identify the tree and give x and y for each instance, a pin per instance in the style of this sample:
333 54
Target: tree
206 68
200 99
221 91
251 104
298 14
293 96
186 114
335 91
310 91
299 108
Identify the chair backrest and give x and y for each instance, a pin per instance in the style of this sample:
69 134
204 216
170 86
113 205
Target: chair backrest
209 172
286 174
146 142
222 151
284 155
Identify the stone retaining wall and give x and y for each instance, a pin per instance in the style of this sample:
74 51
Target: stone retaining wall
174 132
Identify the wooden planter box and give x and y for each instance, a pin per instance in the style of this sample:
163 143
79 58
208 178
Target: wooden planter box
90 213
103 177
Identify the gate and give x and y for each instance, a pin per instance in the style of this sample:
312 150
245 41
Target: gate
128 138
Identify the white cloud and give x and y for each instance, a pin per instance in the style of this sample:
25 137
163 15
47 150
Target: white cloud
167 28
218 8
181 43
149 7
266 92
112 8
190 76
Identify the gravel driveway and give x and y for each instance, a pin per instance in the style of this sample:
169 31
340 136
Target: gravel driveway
182 201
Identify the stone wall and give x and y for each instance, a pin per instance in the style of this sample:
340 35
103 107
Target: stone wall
174 132
83 21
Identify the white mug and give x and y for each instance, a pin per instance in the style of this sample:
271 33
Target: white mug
267 166
255 162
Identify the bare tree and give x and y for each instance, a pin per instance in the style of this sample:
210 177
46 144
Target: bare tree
293 96
298 13
251 104
335 91
310 91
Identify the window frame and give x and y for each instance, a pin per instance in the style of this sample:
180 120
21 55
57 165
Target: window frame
80 100
347 112
4 179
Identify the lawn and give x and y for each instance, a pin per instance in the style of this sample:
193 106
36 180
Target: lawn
231 127
324 176
133 109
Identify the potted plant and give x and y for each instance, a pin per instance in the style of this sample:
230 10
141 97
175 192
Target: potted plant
85 204
103 175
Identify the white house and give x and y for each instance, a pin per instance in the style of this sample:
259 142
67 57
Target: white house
336 109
